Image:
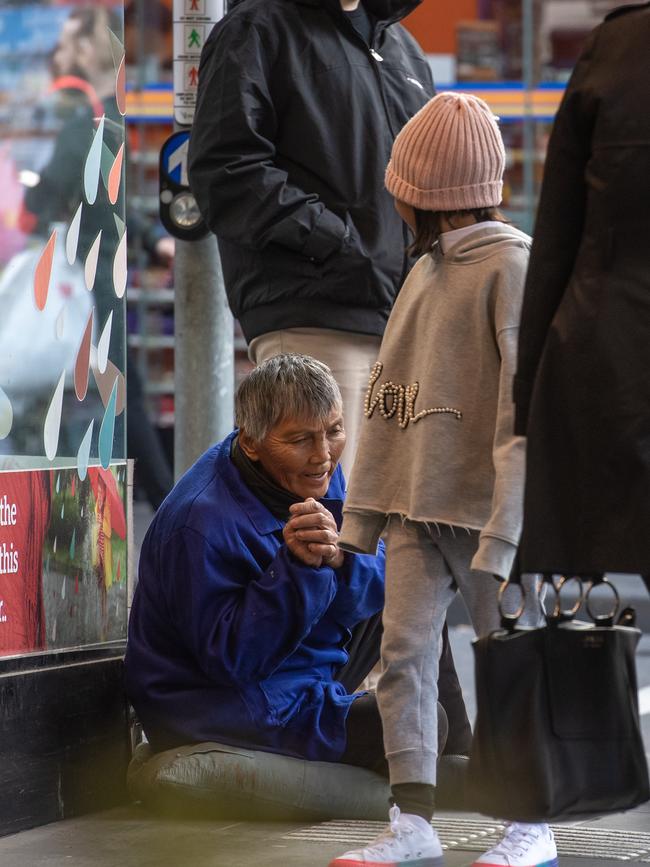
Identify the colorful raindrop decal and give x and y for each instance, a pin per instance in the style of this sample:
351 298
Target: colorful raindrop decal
90 268
105 382
81 511
93 164
73 542
53 639
72 238
54 545
107 430
57 487
119 268
59 324
119 60
120 87
6 415
43 273
73 485
115 176
52 424
82 363
108 158
83 455
117 47
62 510
104 344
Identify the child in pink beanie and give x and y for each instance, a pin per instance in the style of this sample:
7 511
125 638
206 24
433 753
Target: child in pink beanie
438 472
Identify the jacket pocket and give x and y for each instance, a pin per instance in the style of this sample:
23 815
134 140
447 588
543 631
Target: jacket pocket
286 697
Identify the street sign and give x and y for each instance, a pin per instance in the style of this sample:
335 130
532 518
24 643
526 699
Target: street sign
193 21
173 157
179 212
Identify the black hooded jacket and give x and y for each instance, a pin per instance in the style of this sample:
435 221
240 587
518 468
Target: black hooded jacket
294 125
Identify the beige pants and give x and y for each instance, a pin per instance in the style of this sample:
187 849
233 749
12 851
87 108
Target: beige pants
348 355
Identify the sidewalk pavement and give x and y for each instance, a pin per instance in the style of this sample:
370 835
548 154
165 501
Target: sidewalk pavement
129 837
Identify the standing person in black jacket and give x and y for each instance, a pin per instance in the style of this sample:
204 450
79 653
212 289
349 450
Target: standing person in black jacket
582 389
299 102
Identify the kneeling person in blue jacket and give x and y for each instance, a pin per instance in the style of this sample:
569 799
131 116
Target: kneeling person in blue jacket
245 606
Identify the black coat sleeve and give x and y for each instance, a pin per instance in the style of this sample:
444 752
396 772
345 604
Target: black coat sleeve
242 193
558 228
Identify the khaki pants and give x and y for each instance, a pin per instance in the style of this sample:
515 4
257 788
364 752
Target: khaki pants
349 355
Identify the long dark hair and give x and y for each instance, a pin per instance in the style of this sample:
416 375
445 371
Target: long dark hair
428 225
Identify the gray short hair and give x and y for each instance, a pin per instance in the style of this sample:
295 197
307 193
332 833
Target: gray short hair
284 386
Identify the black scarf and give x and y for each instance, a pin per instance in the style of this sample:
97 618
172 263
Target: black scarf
276 499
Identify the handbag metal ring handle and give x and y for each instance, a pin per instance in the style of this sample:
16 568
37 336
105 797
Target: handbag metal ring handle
608 618
508 621
569 613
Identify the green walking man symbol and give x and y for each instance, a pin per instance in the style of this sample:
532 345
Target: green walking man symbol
195 39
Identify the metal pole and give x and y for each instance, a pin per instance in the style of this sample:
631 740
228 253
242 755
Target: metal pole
528 77
204 359
204 342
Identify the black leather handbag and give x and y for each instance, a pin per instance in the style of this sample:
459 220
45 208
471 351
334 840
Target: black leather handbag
557 734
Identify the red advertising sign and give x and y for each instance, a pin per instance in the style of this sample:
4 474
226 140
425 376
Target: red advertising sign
62 558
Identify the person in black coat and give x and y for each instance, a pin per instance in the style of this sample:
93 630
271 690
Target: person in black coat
582 389
298 104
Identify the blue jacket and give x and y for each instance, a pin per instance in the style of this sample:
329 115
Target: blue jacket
233 639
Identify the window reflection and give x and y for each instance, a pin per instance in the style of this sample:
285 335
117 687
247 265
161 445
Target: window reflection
61 224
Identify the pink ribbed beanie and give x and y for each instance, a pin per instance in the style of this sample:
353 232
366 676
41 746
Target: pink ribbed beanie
449 156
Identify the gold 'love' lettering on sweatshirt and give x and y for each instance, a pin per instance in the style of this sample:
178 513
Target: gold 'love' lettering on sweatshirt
394 398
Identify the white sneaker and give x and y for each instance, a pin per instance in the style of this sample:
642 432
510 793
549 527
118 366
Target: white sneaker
522 846
408 840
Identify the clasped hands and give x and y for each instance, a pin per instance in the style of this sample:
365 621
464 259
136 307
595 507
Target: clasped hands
312 536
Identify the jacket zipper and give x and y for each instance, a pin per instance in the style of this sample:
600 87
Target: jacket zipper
377 58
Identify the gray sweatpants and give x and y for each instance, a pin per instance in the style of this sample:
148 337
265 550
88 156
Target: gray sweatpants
425 566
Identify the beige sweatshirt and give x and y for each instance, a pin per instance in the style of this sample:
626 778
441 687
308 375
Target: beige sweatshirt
437 444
